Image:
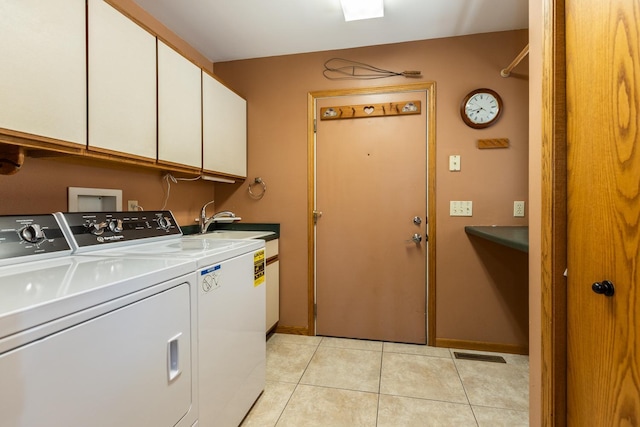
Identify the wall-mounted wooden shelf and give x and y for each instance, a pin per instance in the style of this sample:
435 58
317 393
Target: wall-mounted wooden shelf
516 237
493 143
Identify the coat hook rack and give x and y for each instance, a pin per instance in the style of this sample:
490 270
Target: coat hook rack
370 110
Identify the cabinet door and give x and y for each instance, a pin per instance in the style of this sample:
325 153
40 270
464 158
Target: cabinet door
273 294
122 83
113 370
43 72
179 109
224 127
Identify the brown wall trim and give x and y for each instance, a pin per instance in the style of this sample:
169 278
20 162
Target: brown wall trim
37 142
482 346
37 146
292 330
311 253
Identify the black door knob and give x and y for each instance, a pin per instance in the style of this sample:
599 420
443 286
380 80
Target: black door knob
604 288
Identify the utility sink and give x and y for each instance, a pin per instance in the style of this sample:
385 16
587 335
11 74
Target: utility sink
233 234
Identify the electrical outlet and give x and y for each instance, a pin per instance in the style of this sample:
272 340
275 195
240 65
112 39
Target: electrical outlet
454 163
460 208
518 208
132 205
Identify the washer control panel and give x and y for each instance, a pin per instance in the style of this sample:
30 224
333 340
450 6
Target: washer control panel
29 236
90 230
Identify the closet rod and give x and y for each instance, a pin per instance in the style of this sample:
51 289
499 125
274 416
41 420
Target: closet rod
507 71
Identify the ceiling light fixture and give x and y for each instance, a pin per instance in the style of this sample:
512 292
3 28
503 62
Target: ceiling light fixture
362 9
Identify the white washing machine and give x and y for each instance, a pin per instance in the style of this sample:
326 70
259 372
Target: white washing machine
231 304
92 341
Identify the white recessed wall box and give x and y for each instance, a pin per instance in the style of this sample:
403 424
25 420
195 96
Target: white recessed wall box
94 199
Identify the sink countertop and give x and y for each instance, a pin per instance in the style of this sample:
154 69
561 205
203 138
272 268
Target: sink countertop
237 230
236 234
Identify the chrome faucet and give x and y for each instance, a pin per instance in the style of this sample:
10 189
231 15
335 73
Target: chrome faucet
224 214
204 221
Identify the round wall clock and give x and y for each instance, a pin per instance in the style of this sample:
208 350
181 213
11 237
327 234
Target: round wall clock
481 108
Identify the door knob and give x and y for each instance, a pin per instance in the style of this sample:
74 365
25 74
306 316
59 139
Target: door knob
417 220
416 238
604 288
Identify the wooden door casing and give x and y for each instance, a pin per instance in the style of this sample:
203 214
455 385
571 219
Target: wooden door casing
603 137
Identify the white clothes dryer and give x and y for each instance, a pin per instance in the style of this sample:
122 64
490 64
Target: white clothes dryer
231 304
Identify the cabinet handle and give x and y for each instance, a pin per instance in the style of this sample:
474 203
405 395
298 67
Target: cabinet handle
173 359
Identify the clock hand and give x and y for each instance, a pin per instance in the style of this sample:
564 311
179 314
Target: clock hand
479 107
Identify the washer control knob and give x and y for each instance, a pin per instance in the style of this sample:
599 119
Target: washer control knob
164 222
96 228
115 225
32 233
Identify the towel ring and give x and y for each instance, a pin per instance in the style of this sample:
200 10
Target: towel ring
260 195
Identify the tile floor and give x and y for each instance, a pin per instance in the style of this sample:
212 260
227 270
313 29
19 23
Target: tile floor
332 382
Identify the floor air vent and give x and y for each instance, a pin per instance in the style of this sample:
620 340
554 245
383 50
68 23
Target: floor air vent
479 357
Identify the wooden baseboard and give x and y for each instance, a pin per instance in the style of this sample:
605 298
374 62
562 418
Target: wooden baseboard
482 346
292 330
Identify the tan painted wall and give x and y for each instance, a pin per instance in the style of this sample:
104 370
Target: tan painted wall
481 288
41 187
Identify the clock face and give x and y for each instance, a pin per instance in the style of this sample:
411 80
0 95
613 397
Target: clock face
481 108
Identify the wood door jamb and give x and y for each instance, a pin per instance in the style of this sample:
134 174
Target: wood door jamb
553 256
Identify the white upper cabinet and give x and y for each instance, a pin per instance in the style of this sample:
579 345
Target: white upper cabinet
224 127
179 109
43 74
122 83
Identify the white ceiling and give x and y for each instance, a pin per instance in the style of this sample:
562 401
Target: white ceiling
225 30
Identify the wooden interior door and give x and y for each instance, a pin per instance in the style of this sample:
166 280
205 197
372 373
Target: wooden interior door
603 134
371 183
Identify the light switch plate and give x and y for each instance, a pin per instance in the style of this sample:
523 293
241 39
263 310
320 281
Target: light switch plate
460 208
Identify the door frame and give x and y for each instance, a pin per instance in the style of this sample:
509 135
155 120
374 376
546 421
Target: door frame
553 246
430 88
